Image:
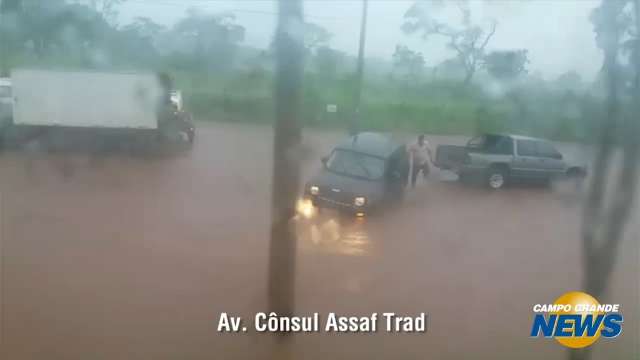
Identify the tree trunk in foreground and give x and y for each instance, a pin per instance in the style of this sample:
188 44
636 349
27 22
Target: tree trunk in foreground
289 51
603 230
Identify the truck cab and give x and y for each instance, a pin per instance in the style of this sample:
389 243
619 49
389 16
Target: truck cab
176 99
497 159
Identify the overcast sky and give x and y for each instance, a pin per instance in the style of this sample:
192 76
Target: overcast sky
557 33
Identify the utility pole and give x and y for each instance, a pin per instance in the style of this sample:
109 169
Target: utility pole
354 125
286 166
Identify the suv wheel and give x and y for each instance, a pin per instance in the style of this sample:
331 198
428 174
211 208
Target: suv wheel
496 178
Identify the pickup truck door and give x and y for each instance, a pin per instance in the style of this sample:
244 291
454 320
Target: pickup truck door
526 163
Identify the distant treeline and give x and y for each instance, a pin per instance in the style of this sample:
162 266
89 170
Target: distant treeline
439 107
222 80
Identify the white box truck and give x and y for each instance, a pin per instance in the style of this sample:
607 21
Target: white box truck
97 107
6 101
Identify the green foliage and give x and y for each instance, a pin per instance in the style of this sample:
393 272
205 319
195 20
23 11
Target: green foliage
442 107
327 61
211 39
315 36
410 64
507 64
201 53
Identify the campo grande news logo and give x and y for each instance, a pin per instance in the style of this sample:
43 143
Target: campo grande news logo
576 320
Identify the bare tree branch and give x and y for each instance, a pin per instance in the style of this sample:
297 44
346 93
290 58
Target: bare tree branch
494 25
464 41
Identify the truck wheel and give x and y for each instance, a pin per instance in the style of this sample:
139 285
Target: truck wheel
496 177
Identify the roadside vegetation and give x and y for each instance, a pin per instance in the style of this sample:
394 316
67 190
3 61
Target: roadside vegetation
477 90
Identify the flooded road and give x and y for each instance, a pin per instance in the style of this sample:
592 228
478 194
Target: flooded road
134 258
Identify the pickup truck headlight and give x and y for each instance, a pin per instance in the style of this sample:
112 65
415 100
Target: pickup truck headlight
359 201
314 190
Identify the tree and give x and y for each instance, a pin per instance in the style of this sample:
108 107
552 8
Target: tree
604 224
212 39
107 8
409 63
507 64
467 40
144 27
74 32
55 25
569 80
315 36
136 43
327 62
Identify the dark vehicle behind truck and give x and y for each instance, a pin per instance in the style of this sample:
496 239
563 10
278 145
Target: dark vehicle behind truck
496 159
362 174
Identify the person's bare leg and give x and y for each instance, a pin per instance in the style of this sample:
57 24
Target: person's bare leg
414 175
425 171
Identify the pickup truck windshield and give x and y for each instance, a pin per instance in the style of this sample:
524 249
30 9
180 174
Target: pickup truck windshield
356 165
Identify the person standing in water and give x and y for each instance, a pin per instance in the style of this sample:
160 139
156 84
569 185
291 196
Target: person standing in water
420 155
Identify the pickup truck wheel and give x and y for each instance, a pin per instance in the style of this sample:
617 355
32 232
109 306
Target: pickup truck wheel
496 178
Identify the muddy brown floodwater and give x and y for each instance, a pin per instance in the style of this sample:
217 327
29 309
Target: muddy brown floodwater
134 258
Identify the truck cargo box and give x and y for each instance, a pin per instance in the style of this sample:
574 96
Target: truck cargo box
85 99
6 101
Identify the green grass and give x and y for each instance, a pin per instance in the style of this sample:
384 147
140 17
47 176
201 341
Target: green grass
437 107
440 108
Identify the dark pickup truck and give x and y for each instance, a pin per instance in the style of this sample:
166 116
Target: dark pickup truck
497 159
362 174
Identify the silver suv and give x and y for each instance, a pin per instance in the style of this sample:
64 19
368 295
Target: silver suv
498 159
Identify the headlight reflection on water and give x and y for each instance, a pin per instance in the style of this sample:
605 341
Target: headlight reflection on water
305 208
329 233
